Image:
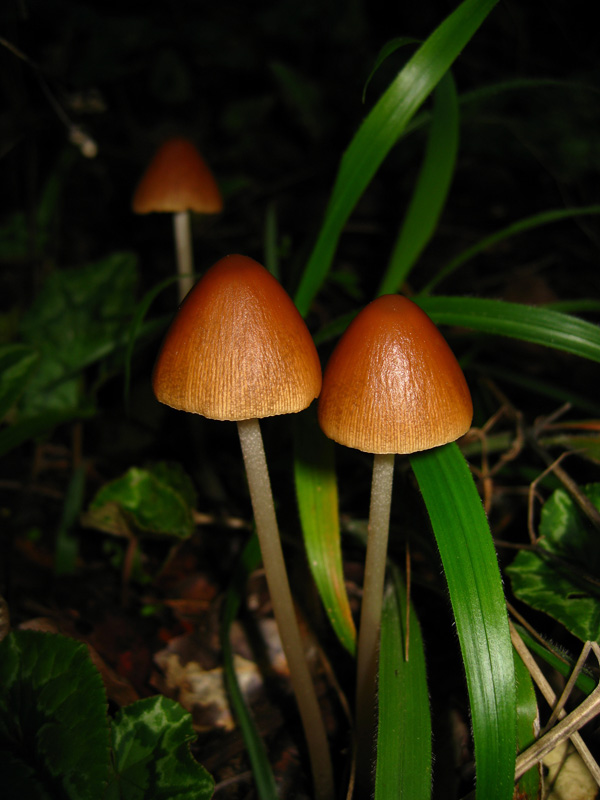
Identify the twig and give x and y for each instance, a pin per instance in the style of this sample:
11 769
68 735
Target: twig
569 724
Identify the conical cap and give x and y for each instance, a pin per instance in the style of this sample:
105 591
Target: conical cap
238 348
392 384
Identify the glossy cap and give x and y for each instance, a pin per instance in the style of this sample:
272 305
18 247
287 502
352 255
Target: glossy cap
392 384
238 348
177 179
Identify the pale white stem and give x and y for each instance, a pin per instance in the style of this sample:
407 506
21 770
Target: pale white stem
184 252
370 619
283 606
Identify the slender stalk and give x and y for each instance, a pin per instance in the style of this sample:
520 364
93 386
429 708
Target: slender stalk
370 620
183 251
283 607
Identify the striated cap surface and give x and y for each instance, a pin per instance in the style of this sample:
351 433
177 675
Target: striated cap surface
177 179
392 384
238 348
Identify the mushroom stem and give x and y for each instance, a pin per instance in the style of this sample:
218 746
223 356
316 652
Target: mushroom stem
283 606
183 251
370 618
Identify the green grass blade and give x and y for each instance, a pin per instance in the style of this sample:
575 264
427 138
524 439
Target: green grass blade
522 225
388 49
492 90
261 769
135 328
575 306
404 733
381 130
67 544
529 323
316 491
475 587
529 783
559 393
559 660
431 189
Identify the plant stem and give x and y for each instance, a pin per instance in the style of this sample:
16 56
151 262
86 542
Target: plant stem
184 252
283 606
370 620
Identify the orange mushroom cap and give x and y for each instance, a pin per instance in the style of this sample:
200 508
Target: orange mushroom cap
392 384
177 179
238 348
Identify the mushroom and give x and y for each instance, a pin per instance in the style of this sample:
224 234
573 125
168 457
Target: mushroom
239 350
392 385
178 181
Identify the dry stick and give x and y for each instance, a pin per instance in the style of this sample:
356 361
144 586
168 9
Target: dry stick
558 708
283 606
542 746
370 618
183 250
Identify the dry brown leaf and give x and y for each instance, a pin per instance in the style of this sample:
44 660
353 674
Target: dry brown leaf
568 775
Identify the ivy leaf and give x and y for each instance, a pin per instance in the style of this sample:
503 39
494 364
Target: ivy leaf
79 317
151 754
559 578
54 734
157 500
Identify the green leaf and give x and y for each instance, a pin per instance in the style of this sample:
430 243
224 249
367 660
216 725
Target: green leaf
558 659
151 754
404 731
17 361
136 326
535 221
529 323
475 587
157 500
250 559
54 736
527 717
558 390
388 49
560 577
65 553
432 188
79 317
316 492
381 130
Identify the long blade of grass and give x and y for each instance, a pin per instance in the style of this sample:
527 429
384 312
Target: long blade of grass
475 587
493 90
536 221
135 328
527 710
431 190
559 660
261 769
381 130
560 393
66 547
386 51
528 323
404 733
316 491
